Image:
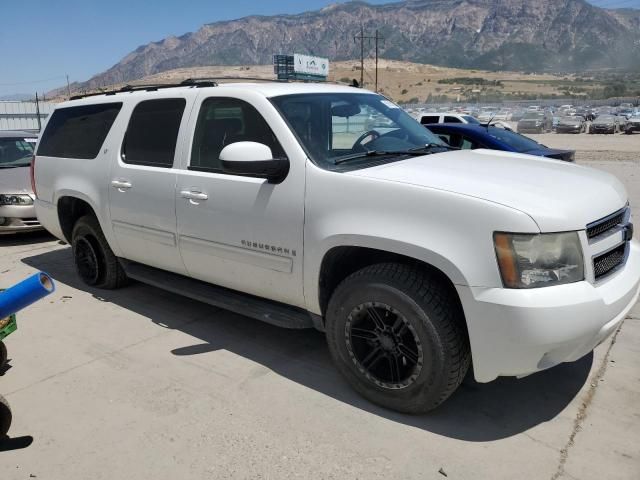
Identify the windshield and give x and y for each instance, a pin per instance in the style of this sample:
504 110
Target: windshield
335 126
16 152
519 142
533 116
570 120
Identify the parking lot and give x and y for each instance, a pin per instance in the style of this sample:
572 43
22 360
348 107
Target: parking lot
141 383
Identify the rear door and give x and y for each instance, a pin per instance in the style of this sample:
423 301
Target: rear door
142 183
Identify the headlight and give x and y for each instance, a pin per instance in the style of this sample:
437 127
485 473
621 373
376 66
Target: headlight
19 199
539 260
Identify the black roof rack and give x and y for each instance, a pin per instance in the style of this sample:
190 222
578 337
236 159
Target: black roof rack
197 83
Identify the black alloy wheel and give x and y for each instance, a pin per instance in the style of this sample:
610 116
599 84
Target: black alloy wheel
87 260
384 345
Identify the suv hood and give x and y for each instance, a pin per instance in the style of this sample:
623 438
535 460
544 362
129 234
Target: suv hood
15 180
559 196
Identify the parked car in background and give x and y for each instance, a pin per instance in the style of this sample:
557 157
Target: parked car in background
535 122
429 118
632 124
608 124
575 124
480 136
17 212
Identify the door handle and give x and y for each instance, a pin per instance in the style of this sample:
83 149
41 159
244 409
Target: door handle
193 195
121 184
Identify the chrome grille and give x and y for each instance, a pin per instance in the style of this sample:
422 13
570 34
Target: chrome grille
608 261
605 224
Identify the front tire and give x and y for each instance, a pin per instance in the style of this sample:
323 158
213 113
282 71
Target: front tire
94 260
5 417
399 337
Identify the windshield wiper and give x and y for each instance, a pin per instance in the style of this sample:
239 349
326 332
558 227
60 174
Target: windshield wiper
423 150
431 146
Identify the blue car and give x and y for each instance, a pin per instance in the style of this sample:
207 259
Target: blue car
467 136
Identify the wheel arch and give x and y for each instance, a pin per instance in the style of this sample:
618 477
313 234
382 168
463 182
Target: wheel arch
70 208
340 261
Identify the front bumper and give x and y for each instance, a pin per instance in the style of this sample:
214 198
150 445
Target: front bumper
595 129
571 129
530 129
18 218
519 332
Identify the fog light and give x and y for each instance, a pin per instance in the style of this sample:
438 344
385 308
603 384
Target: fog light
2 221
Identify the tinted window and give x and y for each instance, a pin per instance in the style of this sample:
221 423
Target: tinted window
425 120
152 133
16 152
471 119
78 132
451 120
223 121
519 142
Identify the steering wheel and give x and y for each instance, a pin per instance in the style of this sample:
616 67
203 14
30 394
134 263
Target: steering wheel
368 133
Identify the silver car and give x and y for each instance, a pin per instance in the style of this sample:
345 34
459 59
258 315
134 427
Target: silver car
17 213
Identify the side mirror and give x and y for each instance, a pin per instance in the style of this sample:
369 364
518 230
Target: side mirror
253 159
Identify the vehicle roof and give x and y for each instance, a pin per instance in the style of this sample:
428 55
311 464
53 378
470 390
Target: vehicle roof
266 89
17 133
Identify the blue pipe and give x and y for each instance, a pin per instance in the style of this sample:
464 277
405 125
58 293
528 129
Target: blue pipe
25 293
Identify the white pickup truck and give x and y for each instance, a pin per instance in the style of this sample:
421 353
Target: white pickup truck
287 203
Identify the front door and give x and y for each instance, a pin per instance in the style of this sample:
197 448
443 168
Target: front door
142 185
235 231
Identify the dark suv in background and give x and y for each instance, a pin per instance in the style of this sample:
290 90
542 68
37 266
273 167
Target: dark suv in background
535 122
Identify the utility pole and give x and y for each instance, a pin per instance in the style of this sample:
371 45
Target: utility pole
68 87
362 37
378 37
38 112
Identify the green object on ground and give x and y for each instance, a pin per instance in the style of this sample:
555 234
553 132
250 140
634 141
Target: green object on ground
7 326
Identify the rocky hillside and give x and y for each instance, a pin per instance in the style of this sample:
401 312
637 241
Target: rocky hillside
529 35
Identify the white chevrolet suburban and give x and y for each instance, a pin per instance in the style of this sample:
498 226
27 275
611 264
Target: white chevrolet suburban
283 202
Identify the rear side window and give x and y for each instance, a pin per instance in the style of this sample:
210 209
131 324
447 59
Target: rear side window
427 119
78 132
152 133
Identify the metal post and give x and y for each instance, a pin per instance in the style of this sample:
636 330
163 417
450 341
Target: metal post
376 61
361 56
68 87
38 112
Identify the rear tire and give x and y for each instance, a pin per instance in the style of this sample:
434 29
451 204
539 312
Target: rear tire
398 335
94 260
5 417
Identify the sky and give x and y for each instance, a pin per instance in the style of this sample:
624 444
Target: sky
42 41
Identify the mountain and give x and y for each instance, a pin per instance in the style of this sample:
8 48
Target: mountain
529 35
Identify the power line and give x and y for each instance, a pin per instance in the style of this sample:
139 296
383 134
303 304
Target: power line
32 81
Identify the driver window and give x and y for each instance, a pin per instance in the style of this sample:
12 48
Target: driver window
223 121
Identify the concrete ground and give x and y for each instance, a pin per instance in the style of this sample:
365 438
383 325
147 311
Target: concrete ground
140 383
